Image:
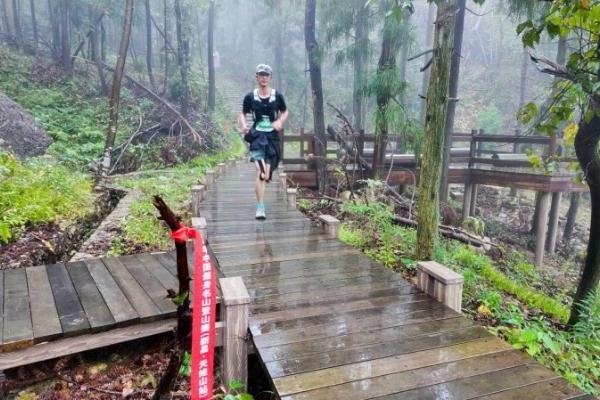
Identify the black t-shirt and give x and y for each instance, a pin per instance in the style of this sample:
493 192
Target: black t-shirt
263 110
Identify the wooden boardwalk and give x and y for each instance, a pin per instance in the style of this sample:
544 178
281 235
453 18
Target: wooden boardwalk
328 323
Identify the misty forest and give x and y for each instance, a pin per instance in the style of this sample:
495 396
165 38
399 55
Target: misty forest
449 147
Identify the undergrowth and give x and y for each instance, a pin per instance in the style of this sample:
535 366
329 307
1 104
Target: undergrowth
39 191
499 293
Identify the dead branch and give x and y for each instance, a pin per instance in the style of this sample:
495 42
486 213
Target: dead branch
197 137
426 66
555 69
421 54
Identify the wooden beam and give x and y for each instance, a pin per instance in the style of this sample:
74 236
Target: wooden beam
541 228
553 224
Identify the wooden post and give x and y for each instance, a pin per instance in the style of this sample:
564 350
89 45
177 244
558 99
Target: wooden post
479 143
302 151
332 224
440 282
466 211
361 142
541 228
199 223
281 146
473 206
235 316
472 148
222 168
553 224
197 197
283 180
210 178
291 197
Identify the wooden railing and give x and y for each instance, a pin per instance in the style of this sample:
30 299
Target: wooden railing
507 153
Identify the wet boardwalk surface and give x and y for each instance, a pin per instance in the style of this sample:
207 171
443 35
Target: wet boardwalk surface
328 323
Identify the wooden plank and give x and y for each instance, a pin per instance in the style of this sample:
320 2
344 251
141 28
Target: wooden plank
152 263
143 304
168 261
344 322
556 388
302 256
70 312
313 362
18 331
78 344
116 301
361 339
155 290
96 310
408 384
480 384
384 366
44 316
305 312
344 296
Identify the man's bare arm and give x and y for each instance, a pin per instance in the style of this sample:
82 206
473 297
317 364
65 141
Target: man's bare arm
278 124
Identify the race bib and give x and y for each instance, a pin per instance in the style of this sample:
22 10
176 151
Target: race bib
264 125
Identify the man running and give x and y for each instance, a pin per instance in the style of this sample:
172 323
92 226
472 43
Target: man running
269 113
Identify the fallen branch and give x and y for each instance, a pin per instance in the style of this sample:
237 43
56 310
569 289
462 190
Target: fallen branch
159 100
450 232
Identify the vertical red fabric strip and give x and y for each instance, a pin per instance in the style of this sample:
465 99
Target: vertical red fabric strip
203 322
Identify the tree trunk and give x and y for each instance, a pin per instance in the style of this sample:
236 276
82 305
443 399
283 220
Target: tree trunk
116 90
149 45
279 23
16 14
433 145
586 148
386 69
166 52
34 26
95 56
316 84
571 217
5 17
211 58
361 43
427 72
181 59
65 43
400 143
102 42
452 94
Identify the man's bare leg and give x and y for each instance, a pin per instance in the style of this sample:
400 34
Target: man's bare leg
260 184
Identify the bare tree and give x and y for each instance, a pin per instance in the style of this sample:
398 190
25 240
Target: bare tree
34 25
182 59
149 44
116 90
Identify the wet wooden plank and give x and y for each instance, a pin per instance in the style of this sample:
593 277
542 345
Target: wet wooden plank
315 285
96 310
556 388
17 329
305 312
258 227
168 261
354 322
307 381
143 304
347 294
480 384
71 314
313 362
116 301
361 339
264 235
405 385
153 288
152 263
44 316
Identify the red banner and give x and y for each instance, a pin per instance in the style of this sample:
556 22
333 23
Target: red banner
204 305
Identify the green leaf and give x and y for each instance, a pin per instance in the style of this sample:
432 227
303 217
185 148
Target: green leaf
234 384
229 397
244 396
180 298
521 27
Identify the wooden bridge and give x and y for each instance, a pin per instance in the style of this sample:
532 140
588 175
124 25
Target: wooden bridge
326 322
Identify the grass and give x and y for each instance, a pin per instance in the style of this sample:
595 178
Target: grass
39 191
